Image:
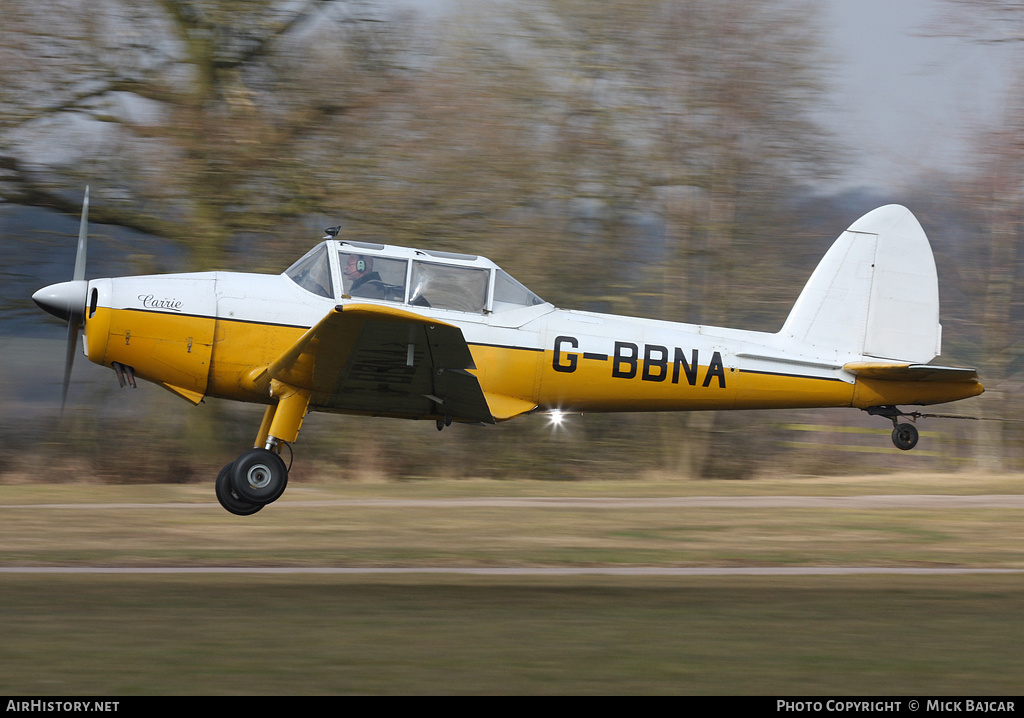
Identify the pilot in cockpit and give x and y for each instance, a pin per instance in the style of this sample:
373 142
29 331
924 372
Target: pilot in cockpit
364 281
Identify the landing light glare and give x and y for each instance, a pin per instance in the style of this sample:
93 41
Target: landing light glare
556 418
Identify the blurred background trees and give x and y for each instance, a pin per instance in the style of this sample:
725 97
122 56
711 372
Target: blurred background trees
654 157
993 190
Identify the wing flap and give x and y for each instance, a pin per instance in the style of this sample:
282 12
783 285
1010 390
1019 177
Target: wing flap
384 361
901 371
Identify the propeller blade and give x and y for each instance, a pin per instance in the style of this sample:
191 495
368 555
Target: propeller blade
76 313
69 359
83 237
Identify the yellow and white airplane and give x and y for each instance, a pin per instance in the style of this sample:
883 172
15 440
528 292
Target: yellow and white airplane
378 330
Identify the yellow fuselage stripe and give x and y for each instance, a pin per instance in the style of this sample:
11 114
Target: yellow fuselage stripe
213 357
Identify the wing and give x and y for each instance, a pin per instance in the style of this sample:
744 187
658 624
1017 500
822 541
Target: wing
901 371
383 361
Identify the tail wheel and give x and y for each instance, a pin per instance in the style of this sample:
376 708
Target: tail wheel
229 498
904 436
259 476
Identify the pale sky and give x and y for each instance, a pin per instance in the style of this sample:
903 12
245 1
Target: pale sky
905 102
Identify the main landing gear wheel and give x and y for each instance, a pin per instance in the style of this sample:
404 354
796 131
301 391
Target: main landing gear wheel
904 436
259 476
229 498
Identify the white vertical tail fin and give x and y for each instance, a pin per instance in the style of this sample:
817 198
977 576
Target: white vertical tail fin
875 293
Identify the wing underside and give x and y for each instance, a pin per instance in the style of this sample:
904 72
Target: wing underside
383 361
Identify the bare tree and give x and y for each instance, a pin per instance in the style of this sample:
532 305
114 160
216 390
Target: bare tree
996 189
613 155
189 118
698 111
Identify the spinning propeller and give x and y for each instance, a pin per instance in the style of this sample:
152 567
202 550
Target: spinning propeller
67 300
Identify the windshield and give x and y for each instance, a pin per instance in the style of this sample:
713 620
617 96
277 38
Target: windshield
313 272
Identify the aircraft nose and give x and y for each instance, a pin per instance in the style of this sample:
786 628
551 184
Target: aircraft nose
63 300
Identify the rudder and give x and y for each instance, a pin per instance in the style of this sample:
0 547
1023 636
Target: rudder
875 293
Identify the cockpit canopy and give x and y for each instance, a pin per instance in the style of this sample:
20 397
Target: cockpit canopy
337 269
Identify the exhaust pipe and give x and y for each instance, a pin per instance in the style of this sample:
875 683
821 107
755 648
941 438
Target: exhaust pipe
125 374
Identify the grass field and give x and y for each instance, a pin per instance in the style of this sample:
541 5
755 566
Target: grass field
129 634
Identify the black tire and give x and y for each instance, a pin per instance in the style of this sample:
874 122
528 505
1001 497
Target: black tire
904 436
229 498
259 476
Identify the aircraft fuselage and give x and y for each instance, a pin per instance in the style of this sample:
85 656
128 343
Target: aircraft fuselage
203 334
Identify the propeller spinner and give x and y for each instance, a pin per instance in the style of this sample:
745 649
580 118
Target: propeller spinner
67 300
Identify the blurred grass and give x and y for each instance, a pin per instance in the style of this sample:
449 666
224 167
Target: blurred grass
296 634
389 524
242 635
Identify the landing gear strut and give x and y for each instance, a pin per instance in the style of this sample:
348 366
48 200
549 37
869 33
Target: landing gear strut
904 436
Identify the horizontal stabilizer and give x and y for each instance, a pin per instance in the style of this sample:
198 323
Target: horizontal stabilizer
898 371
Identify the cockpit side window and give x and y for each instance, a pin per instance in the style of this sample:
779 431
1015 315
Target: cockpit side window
449 287
510 294
373 277
313 272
